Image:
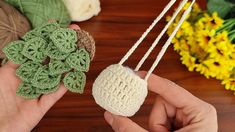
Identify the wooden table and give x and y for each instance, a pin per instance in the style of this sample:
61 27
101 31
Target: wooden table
115 30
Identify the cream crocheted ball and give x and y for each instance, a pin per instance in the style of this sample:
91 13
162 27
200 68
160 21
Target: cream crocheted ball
119 90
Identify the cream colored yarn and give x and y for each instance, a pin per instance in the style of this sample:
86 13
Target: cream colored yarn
118 90
81 10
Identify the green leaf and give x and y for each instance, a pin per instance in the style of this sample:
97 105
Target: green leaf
221 6
75 81
27 91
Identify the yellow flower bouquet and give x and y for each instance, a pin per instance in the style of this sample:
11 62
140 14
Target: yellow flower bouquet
206 44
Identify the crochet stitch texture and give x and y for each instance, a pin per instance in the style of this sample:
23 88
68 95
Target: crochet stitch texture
118 90
46 54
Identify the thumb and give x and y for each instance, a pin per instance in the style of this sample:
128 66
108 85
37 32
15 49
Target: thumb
122 124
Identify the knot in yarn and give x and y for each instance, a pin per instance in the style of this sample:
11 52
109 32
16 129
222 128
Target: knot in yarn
13 25
119 90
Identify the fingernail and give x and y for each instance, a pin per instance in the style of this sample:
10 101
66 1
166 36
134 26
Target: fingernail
108 117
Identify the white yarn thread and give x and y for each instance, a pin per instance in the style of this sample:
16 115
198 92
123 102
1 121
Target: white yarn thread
168 42
133 48
160 35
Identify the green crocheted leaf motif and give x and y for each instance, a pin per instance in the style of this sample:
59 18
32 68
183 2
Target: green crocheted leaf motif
27 70
47 90
80 60
27 91
54 53
58 67
65 39
34 48
30 35
42 78
45 30
75 81
13 52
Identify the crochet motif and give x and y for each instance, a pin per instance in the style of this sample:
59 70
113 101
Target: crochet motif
86 41
27 91
13 52
46 54
64 39
118 90
42 79
27 70
79 60
75 81
34 48
58 67
54 53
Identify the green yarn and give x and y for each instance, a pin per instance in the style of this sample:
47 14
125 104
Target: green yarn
58 67
64 39
30 35
54 53
13 52
41 11
80 60
75 81
27 70
34 48
42 79
27 91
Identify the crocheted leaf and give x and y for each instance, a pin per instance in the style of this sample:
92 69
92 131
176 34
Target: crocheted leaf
65 39
34 48
27 70
75 81
40 11
45 30
42 79
47 90
54 53
27 91
30 35
58 67
13 52
80 60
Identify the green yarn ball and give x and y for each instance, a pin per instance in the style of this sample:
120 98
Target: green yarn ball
42 11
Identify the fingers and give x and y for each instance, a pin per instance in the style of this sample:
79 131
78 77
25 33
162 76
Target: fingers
171 92
122 124
48 100
11 65
160 115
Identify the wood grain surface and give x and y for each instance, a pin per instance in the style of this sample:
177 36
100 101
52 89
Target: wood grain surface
115 30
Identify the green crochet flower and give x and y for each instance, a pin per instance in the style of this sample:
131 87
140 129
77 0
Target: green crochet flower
58 67
27 70
42 78
54 53
34 48
75 81
80 60
45 30
27 91
13 52
64 39
30 35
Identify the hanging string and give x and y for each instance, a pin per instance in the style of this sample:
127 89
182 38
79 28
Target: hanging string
170 4
160 35
168 42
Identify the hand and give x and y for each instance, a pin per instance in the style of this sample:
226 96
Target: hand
175 109
17 113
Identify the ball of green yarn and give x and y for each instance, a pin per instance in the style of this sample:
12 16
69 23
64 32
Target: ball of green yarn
42 11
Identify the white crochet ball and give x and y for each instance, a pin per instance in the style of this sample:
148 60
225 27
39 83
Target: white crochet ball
119 90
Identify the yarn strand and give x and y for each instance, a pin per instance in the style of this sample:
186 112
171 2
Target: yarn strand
160 35
168 42
128 54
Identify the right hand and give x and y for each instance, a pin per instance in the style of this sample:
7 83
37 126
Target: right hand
175 109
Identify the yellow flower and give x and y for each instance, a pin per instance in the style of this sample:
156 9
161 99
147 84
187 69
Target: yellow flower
188 60
230 82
